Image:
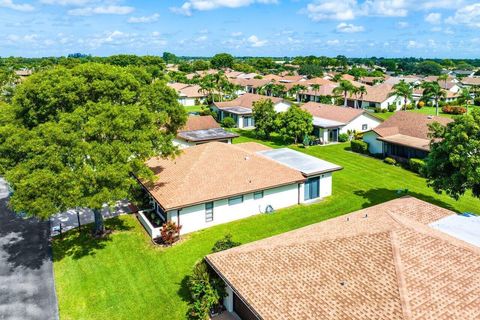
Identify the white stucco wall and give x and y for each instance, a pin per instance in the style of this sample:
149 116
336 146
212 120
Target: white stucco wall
193 218
374 146
281 107
187 102
358 122
325 188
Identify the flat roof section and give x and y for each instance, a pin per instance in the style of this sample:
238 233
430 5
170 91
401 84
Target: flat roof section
237 110
326 123
304 163
207 134
465 227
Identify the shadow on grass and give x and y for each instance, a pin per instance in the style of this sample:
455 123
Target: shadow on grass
78 244
380 195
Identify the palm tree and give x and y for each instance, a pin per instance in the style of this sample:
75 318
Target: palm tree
295 90
404 90
207 86
444 78
466 97
278 90
361 91
432 90
267 89
344 88
315 88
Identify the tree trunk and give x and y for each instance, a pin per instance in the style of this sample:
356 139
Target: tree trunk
436 107
99 226
405 105
345 100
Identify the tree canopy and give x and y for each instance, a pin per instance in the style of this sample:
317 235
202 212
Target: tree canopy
74 137
295 123
453 164
264 115
222 60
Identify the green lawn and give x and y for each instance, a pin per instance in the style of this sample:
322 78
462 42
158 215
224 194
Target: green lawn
126 277
424 110
193 108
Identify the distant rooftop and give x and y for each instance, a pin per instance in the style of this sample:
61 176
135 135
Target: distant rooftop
326 123
464 227
304 163
206 134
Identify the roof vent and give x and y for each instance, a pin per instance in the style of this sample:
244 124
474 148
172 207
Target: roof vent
343 283
429 117
366 215
247 157
348 218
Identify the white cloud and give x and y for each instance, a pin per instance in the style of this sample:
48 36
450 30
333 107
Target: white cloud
236 34
203 5
16 6
333 42
256 42
89 11
349 28
201 39
433 18
66 2
331 9
469 15
402 24
386 8
412 44
144 19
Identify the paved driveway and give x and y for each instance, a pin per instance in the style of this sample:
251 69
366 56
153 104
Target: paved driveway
27 289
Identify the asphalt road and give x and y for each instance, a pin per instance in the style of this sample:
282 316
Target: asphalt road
27 288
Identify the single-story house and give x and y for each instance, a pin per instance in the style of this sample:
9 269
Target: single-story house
202 129
215 183
402 259
329 121
403 136
188 94
240 109
470 82
376 97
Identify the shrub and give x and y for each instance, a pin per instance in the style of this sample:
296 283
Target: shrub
389 160
392 107
377 109
420 104
416 165
170 232
410 106
476 101
224 244
343 137
228 122
454 110
206 289
384 110
359 146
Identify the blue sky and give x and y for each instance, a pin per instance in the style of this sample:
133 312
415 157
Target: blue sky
396 28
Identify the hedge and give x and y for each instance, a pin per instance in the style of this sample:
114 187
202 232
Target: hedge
416 165
389 160
359 146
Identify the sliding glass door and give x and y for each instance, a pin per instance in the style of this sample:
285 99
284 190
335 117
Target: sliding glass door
312 188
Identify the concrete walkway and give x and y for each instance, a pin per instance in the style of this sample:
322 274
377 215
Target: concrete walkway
69 219
27 288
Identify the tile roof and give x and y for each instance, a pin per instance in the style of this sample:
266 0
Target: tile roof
199 123
229 170
187 90
472 81
382 262
409 124
246 101
378 93
332 112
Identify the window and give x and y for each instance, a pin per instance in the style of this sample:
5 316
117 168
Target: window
258 195
208 211
312 188
364 126
235 200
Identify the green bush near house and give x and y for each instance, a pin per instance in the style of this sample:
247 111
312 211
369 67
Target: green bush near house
359 146
416 165
343 137
228 122
389 160
392 107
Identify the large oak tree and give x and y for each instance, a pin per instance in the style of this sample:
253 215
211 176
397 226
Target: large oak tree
76 137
